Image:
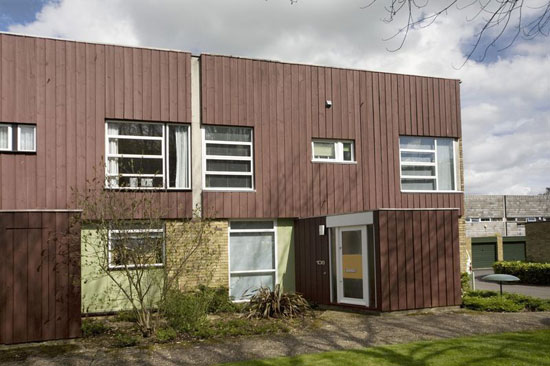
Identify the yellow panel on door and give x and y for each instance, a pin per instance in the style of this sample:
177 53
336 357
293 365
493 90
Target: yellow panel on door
352 266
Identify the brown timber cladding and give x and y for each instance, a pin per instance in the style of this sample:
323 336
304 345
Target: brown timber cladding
419 260
312 280
285 103
69 89
40 277
417 256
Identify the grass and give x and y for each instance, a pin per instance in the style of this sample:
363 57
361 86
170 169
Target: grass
521 348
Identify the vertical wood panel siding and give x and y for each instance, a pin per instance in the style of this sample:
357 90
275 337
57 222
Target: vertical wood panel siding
40 277
285 104
69 89
418 259
312 279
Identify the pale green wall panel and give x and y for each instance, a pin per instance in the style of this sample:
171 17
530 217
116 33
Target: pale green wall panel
99 292
285 255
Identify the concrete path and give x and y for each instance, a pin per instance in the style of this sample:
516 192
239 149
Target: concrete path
542 292
334 331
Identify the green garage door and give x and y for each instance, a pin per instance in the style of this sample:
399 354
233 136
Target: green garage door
484 253
514 251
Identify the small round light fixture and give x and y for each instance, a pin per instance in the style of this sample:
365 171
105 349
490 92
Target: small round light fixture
328 104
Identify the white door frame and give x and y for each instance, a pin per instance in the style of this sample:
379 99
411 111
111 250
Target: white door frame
339 270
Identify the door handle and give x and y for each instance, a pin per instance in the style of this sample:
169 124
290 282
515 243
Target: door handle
320 262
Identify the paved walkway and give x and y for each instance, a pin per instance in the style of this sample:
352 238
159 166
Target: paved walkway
335 330
542 292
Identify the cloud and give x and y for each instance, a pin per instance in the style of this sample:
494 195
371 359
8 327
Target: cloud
506 123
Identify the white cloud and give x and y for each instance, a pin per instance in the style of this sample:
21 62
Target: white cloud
506 123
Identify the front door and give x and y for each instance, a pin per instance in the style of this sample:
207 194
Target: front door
351 261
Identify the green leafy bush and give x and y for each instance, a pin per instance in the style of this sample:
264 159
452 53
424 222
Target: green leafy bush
218 300
492 301
91 328
125 340
276 304
166 334
493 304
530 273
186 312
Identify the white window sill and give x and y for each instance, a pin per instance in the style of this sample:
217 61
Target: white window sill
427 191
248 190
335 162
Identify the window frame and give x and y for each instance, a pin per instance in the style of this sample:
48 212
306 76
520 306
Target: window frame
431 164
19 137
338 151
165 155
10 137
131 266
274 271
206 157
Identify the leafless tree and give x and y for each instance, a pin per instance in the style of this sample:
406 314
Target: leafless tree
126 241
501 22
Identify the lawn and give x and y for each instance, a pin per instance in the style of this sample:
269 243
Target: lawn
522 348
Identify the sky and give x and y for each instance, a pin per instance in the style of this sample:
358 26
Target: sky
505 96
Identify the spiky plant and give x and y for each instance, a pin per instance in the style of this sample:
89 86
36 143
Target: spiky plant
277 304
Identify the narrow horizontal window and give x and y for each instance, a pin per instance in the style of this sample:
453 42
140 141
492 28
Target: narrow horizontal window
139 245
147 155
228 158
427 164
333 151
17 137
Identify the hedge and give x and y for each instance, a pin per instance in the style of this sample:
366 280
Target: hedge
529 273
510 303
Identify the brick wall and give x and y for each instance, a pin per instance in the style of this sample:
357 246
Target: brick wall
538 242
209 264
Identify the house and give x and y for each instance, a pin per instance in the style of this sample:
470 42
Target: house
345 185
495 225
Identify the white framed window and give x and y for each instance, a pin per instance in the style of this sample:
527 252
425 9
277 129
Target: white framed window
26 138
427 164
143 155
252 257
138 245
6 134
228 162
334 151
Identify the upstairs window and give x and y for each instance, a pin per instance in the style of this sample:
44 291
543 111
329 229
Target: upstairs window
333 151
26 138
427 164
228 158
147 155
5 137
17 137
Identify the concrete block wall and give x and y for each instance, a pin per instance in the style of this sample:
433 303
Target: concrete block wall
538 242
528 206
484 206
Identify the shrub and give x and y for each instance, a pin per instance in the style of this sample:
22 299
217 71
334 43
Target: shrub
493 304
166 334
218 300
276 304
92 328
465 281
125 340
530 273
126 316
185 312
492 301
